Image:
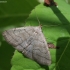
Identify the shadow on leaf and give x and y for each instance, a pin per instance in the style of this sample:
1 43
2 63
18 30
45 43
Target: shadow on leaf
6 53
63 54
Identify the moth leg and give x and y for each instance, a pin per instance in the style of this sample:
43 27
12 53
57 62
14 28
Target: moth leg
52 46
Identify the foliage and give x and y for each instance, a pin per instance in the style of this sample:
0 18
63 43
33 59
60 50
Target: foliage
56 28
13 13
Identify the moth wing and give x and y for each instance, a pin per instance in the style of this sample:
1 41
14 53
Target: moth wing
18 36
40 52
31 42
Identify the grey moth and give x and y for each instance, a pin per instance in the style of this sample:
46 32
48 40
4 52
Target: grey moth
31 42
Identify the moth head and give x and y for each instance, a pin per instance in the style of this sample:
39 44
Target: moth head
38 29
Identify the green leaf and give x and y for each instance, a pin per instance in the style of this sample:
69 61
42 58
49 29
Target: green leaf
13 13
20 62
56 28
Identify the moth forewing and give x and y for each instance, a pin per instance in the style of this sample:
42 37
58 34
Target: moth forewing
31 42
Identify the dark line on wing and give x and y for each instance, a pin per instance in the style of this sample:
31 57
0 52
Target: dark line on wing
17 35
13 38
37 54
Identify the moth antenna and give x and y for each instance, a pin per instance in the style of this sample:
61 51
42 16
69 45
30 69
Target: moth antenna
38 19
50 25
40 25
40 22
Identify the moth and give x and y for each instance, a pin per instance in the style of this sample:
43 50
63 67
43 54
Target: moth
31 42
